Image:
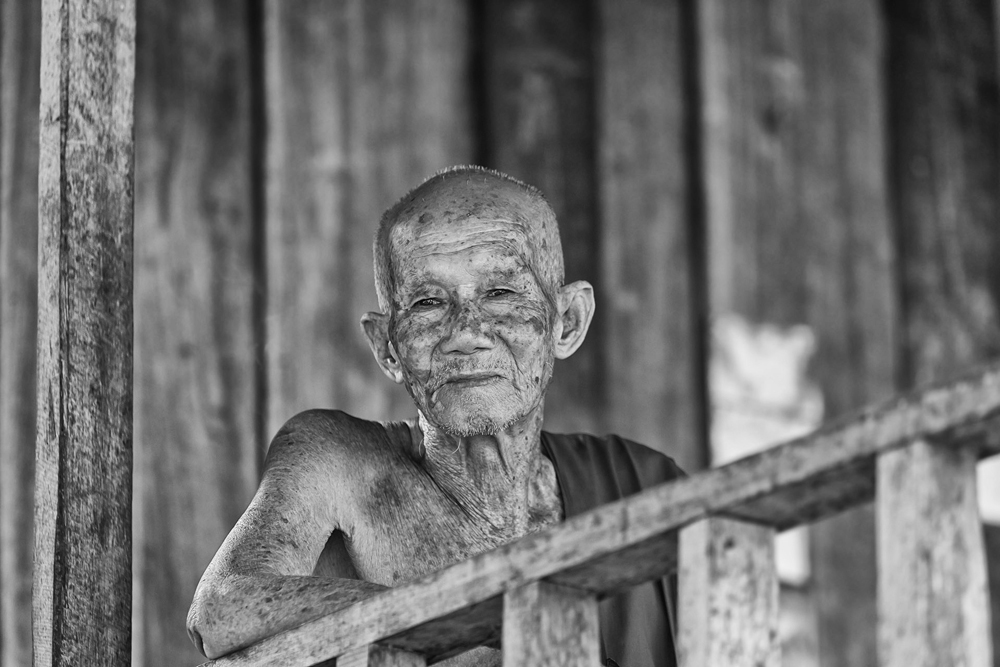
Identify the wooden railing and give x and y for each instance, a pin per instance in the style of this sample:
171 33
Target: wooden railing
914 456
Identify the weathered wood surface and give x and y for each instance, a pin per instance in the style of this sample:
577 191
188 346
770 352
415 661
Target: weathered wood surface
364 100
550 626
20 34
632 540
196 391
728 609
648 284
933 598
944 125
378 656
991 539
799 232
540 124
83 510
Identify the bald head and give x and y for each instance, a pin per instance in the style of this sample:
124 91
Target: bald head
451 198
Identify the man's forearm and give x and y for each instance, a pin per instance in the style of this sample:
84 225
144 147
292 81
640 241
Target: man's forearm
240 610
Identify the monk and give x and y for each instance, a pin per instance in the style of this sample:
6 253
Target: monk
474 313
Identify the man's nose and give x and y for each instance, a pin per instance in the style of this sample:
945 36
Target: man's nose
469 331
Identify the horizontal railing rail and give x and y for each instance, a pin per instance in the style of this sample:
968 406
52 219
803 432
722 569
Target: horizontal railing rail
621 544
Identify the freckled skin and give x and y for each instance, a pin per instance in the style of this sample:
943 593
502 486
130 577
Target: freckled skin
347 506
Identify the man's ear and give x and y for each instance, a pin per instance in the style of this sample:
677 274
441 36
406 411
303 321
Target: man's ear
575 304
376 328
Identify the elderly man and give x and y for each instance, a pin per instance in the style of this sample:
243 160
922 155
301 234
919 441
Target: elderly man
469 274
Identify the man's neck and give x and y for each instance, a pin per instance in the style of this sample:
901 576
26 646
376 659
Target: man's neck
501 479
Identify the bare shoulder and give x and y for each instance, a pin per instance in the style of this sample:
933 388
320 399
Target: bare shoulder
332 446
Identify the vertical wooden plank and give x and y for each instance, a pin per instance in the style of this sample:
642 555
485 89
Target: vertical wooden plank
799 232
728 595
83 509
933 597
365 100
944 120
547 625
196 388
379 656
647 270
944 161
541 128
20 35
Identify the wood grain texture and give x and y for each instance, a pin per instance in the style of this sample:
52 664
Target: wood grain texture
541 127
365 100
649 309
20 35
551 626
728 595
800 232
933 596
632 540
379 656
944 120
196 388
83 511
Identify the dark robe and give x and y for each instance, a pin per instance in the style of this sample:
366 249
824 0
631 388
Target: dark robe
636 626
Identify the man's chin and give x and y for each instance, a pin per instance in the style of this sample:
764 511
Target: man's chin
469 423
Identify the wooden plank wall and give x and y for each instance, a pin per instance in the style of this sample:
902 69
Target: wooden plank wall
196 464
799 232
729 161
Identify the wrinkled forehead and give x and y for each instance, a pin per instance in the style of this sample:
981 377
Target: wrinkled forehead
461 214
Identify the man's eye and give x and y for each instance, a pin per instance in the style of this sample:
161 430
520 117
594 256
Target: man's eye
499 291
429 302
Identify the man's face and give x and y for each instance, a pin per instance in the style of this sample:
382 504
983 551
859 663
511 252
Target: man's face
471 324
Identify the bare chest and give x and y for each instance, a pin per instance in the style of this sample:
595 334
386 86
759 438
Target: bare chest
407 526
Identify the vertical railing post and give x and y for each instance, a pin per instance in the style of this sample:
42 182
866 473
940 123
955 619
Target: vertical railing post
83 522
932 593
728 594
548 625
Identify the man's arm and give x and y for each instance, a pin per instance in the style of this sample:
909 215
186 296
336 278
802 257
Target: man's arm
260 581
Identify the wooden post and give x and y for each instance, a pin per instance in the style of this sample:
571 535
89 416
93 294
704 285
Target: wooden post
20 26
379 656
728 595
550 625
932 591
83 521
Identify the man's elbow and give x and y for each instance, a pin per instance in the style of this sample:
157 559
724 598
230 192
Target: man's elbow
205 628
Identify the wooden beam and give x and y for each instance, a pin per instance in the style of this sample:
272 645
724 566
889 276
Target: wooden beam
20 28
549 625
83 517
933 598
728 595
630 541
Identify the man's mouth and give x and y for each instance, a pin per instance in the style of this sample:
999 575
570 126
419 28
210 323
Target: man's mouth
472 379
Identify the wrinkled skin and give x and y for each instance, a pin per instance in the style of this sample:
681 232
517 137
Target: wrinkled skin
471 326
347 507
